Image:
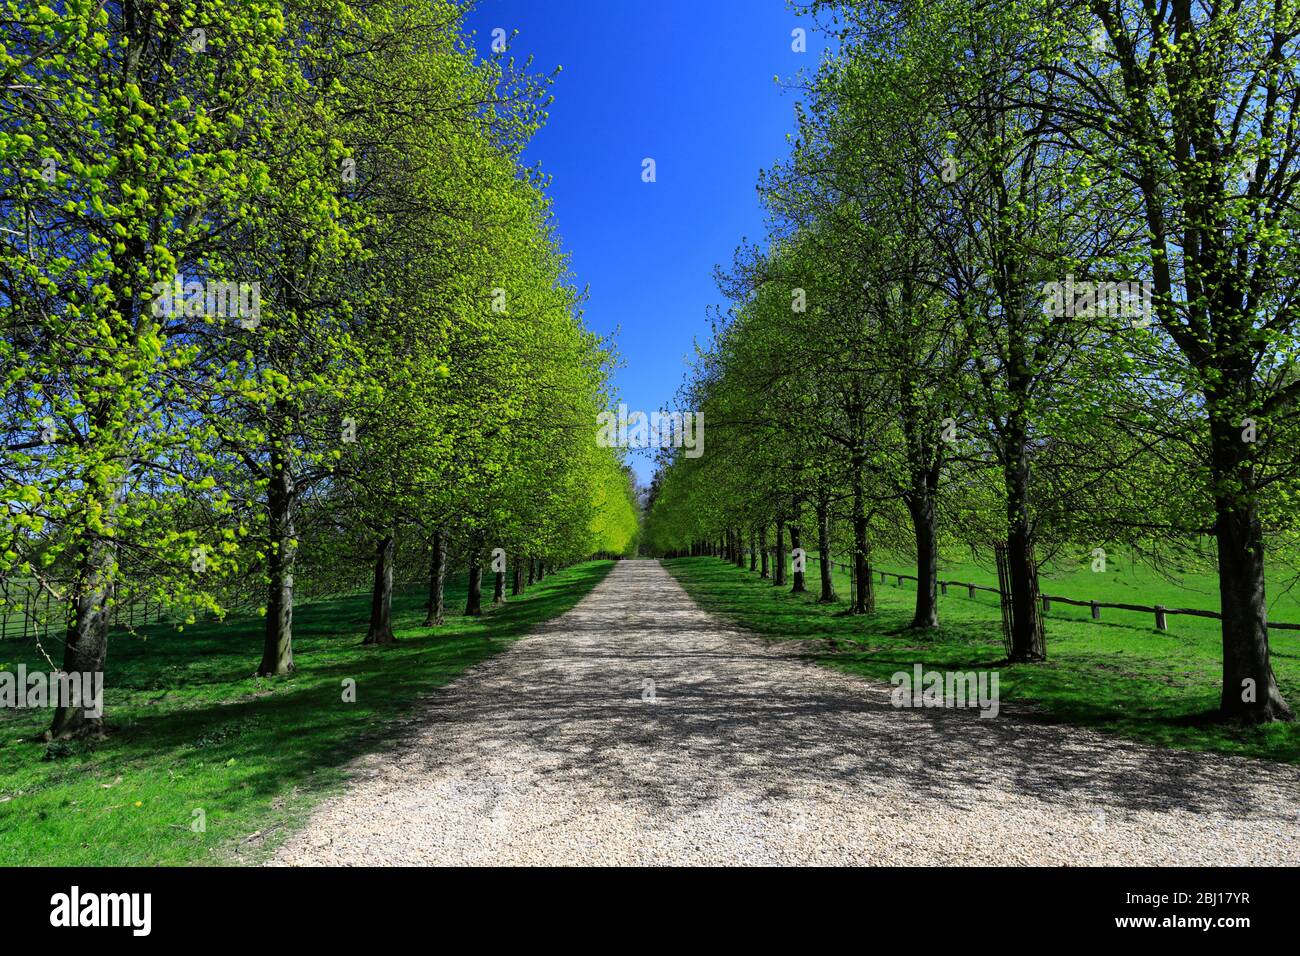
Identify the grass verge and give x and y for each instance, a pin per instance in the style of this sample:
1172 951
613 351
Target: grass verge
190 728
1114 675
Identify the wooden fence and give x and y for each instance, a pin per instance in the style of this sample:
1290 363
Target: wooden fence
27 610
1161 612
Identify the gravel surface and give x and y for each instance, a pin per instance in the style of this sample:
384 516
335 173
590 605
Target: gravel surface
551 754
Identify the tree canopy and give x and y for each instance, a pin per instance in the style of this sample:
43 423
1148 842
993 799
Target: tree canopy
1028 286
281 302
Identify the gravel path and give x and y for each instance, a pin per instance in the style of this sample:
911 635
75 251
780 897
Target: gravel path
548 754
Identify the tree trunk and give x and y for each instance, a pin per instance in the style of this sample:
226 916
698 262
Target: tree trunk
1250 693
517 579
797 576
921 506
86 648
437 580
864 597
824 550
281 501
762 552
753 549
1020 562
474 599
381 597
532 571
778 578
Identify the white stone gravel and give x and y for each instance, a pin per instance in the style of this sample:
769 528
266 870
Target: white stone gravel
547 754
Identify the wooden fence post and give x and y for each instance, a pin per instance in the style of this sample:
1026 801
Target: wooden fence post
1096 611
1161 623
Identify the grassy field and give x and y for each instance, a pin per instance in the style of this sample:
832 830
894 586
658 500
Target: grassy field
1123 582
191 728
1118 674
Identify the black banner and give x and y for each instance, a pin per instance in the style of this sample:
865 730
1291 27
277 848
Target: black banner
332 906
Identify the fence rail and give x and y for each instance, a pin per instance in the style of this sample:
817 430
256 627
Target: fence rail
27 610
1159 610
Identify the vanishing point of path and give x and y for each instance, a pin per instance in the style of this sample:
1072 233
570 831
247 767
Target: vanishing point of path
548 754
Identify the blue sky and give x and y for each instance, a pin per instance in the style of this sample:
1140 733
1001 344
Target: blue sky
689 84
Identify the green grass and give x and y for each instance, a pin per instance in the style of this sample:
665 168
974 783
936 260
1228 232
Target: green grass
1123 582
190 727
1119 674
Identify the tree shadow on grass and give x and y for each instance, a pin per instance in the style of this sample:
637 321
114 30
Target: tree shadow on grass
1115 694
274 739
423 658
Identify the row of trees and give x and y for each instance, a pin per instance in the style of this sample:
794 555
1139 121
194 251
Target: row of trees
272 272
1030 280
